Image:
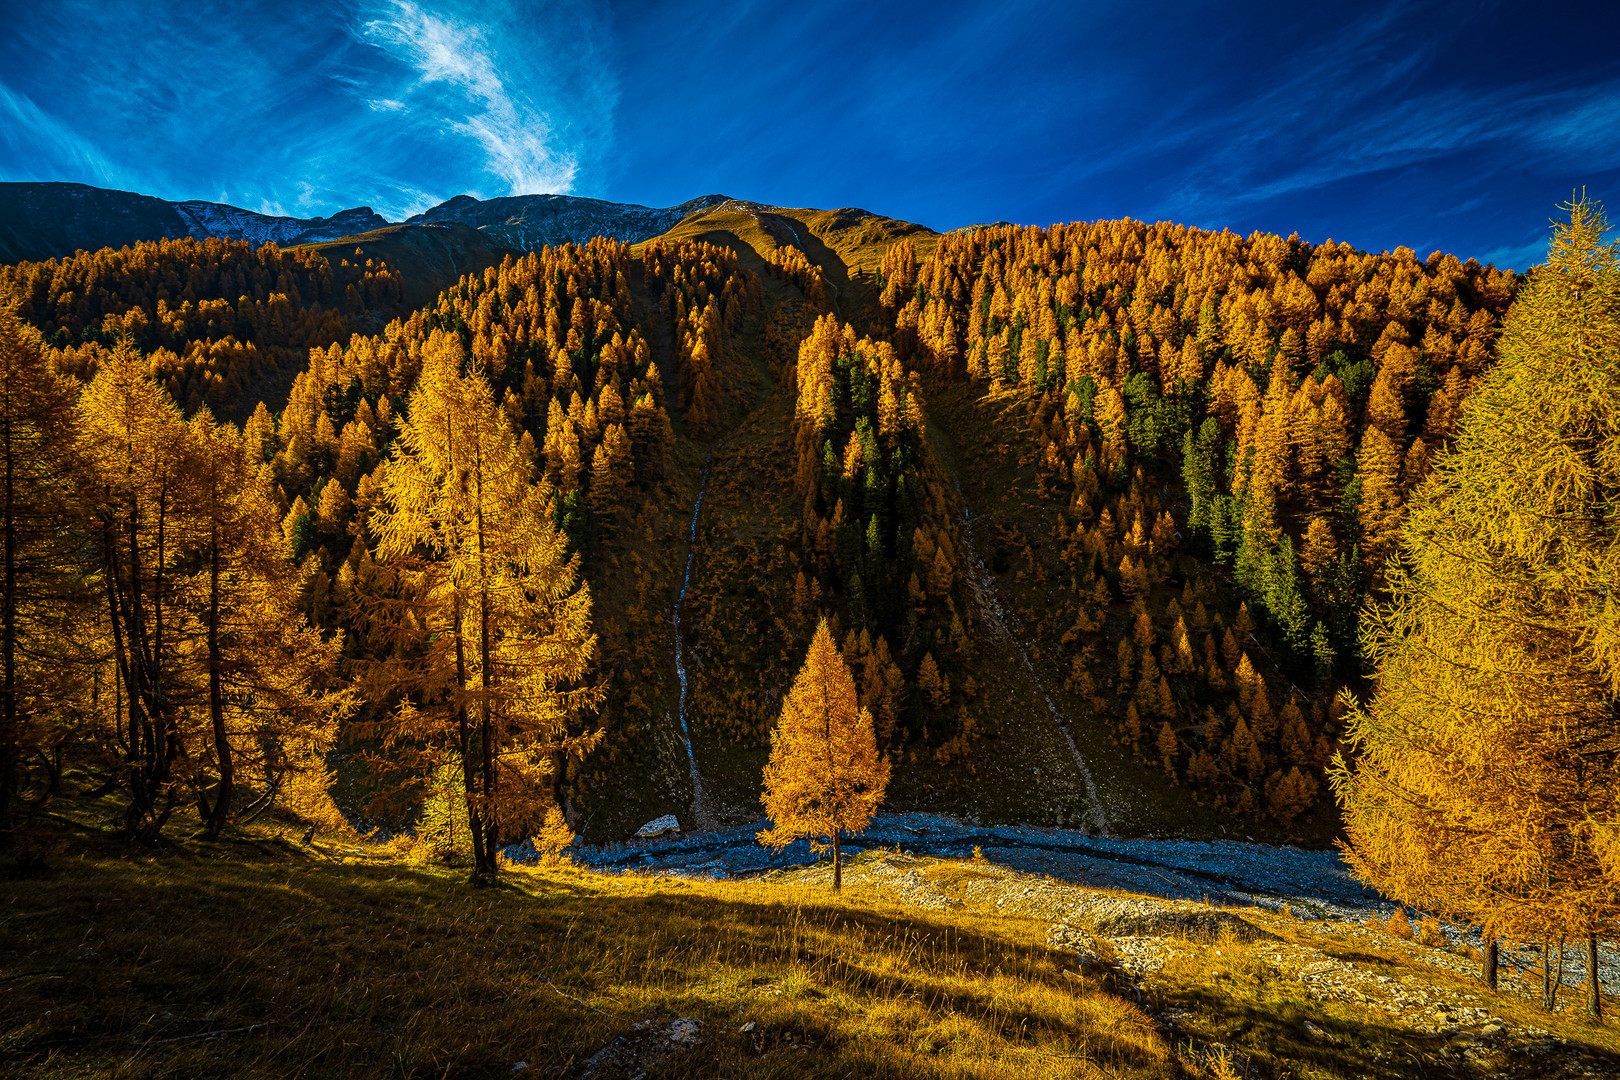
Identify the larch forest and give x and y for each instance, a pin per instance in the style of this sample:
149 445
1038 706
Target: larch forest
776 522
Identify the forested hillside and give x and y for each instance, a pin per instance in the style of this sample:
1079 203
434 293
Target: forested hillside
1260 405
218 320
1091 511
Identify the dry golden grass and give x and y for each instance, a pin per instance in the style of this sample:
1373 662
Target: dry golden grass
257 956
214 959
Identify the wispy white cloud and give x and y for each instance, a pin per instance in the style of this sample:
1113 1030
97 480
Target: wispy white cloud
1463 207
405 201
311 105
516 136
1542 119
46 148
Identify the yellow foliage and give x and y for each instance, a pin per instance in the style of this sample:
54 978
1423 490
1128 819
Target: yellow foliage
824 779
499 641
1491 746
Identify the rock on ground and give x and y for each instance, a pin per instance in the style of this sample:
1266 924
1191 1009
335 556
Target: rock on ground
649 1045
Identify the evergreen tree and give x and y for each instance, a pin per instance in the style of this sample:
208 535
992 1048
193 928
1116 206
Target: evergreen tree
824 778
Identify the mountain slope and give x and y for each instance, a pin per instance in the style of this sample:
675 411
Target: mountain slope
50 220
429 258
1026 500
46 221
231 222
529 222
846 244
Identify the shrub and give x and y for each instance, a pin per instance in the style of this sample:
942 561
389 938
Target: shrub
554 838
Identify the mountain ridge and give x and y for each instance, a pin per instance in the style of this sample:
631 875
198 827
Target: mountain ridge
53 219
530 222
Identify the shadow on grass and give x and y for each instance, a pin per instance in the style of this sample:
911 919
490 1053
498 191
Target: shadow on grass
1279 1031
231 958
180 965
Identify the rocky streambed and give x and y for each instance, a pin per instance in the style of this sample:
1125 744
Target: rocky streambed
1319 968
1313 884
1063 874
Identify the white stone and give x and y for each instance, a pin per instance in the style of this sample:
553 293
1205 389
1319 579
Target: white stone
659 827
685 1031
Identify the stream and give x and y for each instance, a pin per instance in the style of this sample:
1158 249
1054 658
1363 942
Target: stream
701 815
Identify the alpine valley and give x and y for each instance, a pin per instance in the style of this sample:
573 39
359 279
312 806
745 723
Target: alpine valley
1030 561
1091 509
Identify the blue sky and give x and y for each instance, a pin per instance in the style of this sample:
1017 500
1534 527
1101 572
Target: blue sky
1456 126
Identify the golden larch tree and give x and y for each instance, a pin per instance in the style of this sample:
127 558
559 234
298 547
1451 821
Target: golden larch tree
273 693
501 648
40 532
1485 779
824 778
139 473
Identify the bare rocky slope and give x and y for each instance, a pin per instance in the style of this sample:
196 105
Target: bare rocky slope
50 220
530 222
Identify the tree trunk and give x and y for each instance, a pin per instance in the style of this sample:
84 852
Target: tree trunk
1594 988
838 866
486 681
53 787
1487 966
142 738
469 775
1549 989
160 741
169 734
486 744
1551 978
120 661
216 698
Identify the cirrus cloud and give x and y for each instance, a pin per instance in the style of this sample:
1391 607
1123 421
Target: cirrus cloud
516 136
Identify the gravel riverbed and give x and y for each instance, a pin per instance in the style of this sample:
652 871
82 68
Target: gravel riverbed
1305 884
1314 884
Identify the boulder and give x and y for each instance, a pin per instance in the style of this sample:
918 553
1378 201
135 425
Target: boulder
659 827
